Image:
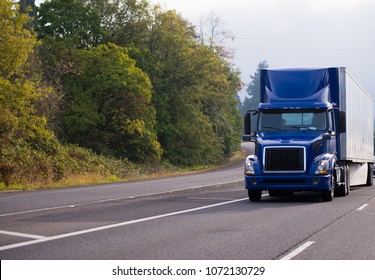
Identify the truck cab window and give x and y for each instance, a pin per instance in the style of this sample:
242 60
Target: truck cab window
288 120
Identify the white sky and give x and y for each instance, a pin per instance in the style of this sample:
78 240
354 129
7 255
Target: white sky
294 33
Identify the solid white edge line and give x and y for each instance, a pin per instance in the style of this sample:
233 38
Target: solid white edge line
32 236
75 233
362 207
298 250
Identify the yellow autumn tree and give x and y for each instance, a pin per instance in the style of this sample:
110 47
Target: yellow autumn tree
23 134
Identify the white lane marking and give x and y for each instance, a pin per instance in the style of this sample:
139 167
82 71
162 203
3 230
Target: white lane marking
32 236
41 209
362 207
115 199
75 233
297 251
209 198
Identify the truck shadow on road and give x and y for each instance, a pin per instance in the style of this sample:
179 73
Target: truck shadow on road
301 197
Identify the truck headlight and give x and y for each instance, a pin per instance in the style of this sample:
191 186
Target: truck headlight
249 167
323 167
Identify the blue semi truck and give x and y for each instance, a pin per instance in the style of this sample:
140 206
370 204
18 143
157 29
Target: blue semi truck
313 131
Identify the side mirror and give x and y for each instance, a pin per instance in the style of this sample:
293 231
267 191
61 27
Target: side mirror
250 123
342 122
247 123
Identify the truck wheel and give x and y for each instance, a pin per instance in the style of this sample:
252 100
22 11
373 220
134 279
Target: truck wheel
342 189
254 195
327 195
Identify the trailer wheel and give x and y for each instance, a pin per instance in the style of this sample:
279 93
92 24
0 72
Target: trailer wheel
347 179
370 171
254 195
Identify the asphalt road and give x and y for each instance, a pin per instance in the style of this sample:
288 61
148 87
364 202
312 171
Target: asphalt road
202 216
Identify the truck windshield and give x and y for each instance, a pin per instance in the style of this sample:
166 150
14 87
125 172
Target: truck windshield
288 120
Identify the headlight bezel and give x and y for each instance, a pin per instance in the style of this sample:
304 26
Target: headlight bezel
251 165
323 166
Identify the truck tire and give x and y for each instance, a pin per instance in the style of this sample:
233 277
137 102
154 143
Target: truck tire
370 171
344 188
254 195
327 195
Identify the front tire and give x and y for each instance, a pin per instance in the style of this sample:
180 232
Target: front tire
327 195
254 195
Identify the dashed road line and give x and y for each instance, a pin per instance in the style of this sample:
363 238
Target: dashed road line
362 207
298 250
26 235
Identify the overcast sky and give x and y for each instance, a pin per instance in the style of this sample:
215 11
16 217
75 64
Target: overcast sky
294 33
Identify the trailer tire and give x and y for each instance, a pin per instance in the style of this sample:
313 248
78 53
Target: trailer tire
254 195
370 171
347 179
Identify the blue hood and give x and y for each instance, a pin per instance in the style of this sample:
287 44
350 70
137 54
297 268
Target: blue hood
286 138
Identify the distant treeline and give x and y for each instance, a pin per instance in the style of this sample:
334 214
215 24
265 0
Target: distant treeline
85 81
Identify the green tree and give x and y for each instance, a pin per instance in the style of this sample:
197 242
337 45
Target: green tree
253 90
125 21
19 88
63 27
194 88
220 102
28 6
23 134
70 20
109 105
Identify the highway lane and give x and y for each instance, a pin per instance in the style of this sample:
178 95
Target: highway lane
213 222
61 198
17 202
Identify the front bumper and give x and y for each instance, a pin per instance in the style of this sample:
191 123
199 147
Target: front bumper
289 182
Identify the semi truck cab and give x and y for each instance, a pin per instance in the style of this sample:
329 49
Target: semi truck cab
300 135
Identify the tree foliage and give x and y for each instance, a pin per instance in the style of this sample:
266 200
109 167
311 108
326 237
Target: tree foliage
194 93
70 20
109 105
193 86
253 90
19 86
126 21
21 129
120 77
